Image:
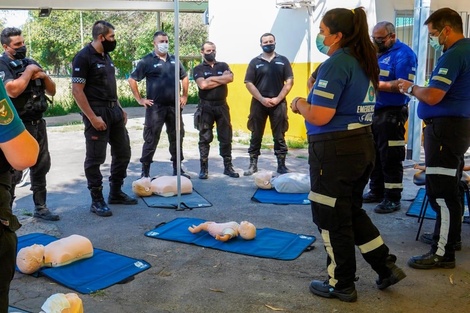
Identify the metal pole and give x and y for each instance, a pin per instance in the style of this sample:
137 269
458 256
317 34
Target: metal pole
309 42
81 27
158 21
420 47
177 104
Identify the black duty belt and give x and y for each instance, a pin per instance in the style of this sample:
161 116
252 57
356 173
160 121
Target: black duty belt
391 108
449 120
340 134
107 104
212 102
34 122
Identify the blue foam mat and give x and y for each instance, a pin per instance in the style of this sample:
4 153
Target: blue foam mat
269 243
86 276
187 201
274 197
415 206
12 309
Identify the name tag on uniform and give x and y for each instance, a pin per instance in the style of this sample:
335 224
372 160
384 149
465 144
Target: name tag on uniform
384 73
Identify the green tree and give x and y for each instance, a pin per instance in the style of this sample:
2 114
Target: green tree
53 41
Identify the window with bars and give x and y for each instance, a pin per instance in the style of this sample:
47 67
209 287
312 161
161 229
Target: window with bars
404 21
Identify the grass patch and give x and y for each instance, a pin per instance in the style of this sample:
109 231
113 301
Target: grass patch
24 212
64 103
297 144
98 293
267 143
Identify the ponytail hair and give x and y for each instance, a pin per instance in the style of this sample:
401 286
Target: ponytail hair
353 25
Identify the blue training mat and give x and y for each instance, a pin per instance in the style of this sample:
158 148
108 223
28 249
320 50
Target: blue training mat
12 309
415 206
274 197
86 276
188 201
269 243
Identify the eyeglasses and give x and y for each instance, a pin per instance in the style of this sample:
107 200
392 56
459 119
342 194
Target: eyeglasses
380 39
434 32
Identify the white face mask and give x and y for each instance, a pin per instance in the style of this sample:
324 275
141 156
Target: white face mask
162 47
434 41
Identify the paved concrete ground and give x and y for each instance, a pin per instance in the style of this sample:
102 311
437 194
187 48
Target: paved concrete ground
186 278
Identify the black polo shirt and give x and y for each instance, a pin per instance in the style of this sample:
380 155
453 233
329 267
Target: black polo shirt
205 70
269 77
159 76
97 72
7 73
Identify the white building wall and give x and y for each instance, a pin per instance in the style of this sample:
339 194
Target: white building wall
235 26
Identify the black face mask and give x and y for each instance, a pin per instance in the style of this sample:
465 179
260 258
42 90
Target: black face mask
108 45
381 47
209 57
269 48
20 53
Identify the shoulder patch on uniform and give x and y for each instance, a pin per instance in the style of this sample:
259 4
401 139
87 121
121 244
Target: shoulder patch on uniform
443 71
322 83
6 114
2 75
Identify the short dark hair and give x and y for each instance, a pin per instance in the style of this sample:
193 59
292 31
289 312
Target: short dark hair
207 43
101 28
266 35
9 32
159 33
445 17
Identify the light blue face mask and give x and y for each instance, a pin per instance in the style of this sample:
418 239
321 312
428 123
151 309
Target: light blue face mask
321 45
434 41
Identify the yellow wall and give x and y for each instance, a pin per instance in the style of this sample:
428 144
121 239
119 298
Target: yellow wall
239 99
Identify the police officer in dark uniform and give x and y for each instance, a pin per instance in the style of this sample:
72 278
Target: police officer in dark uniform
27 85
94 90
269 79
396 60
212 78
18 149
158 68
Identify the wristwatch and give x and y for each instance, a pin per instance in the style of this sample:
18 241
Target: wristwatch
410 89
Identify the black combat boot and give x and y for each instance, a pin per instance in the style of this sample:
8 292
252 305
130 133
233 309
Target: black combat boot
253 168
41 210
396 273
175 171
281 164
116 196
228 168
98 206
145 170
204 173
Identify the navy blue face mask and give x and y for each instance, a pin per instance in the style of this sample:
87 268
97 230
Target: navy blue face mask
269 48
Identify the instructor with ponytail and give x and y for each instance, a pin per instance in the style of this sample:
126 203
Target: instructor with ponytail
338 117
